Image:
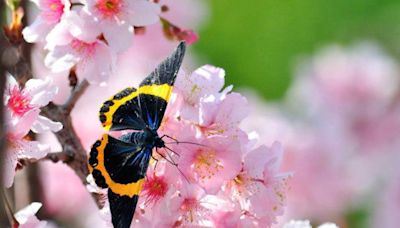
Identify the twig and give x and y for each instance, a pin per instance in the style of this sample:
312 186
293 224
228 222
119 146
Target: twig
76 93
59 156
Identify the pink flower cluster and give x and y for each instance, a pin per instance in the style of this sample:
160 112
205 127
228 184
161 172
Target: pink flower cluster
22 107
340 126
87 36
215 176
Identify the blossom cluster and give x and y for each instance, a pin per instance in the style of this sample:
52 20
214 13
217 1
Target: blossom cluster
87 36
211 174
22 108
340 126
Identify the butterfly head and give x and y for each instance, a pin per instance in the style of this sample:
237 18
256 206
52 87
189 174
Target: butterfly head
152 139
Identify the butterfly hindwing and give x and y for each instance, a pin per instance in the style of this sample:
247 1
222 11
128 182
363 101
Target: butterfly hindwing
118 165
122 209
155 89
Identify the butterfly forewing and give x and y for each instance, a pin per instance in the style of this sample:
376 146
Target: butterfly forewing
155 90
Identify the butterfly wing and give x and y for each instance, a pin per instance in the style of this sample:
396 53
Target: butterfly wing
122 111
121 167
155 89
136 109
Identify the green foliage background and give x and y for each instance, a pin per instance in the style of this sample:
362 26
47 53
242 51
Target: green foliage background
257 42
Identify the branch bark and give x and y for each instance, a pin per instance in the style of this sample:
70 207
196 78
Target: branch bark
73 152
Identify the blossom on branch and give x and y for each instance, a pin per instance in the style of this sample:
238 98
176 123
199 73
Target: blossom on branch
21 115
51 13
116 19
77 44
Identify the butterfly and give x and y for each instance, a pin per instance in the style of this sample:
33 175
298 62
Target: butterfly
121 164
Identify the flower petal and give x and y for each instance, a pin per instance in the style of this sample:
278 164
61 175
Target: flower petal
142 13
97 68
10 164
61 59
119 36
44 124
37 31
41 91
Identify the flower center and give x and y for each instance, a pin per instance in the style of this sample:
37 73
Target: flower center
189 207
207 164
108 8
83 48
53 11
155 188
19 101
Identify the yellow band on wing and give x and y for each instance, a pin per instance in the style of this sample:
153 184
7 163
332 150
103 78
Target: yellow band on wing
130 189
163 91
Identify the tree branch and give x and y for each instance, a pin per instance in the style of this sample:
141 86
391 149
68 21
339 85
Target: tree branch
76 93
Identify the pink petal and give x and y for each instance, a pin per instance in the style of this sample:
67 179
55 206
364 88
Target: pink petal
44 124
233 109
18 128
83 27
119 36
41 91
208 108
255 161
142 13
98 67
37 31
10 164
61 59
31 150
59 35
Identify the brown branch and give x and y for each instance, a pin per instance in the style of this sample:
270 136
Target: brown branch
73 153
76 93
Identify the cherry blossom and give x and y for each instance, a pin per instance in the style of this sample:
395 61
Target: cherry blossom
37 93
212 164
195 207
116 18
26 217
76 44
18 146
51 13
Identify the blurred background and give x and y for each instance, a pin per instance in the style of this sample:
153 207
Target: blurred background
258 43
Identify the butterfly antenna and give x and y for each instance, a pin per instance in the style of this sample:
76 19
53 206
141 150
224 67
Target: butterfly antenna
171 150
181 142
172 162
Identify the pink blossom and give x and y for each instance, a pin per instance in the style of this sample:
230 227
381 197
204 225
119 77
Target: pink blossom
195 208
36 94
212 164
27 219
76 43
259 188
51 13
116 18
18 147
356 89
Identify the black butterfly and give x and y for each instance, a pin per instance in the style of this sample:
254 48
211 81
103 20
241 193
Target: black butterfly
121 164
